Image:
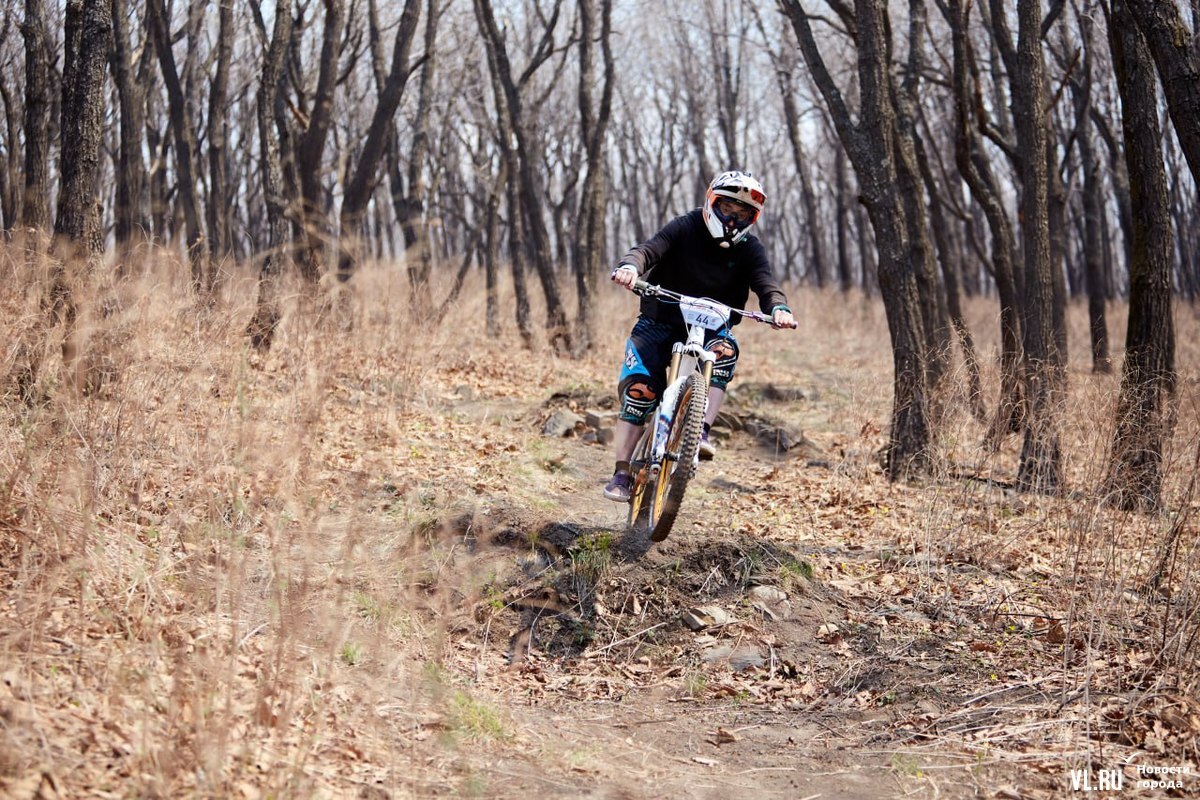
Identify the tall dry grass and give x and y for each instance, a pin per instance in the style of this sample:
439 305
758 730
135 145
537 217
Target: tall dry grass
220 570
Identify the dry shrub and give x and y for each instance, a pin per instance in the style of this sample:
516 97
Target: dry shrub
219 575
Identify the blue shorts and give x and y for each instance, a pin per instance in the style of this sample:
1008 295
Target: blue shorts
648 354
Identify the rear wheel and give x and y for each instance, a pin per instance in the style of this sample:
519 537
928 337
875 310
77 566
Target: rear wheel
679 461
643 483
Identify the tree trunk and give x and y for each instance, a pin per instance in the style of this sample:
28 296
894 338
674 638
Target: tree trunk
35 197
1148 376
593 125
950 279
131 217
261 329
976 170
784 73
528 187
870 147
845 270
364 178
78 236
1175 52
1040 467
185 146
418 252
906 144
1093 210
220 197
310 150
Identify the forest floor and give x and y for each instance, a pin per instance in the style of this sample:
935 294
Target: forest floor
358 567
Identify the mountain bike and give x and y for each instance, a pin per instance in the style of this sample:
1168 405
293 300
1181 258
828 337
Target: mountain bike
667 453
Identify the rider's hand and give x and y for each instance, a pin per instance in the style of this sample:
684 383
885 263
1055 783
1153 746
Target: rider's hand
625 274
782 317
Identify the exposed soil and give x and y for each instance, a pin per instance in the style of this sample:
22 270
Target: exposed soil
342 571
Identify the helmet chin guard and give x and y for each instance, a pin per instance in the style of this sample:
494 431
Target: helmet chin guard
742 187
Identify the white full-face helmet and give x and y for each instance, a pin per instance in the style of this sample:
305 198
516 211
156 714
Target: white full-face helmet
732 205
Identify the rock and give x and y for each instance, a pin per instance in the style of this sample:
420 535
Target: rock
768 594
600 419
562 423
771 602
738 658
706 617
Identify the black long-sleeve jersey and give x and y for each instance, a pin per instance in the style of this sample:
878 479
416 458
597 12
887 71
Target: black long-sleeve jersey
685 258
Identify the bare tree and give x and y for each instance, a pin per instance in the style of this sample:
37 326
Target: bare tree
261 328
131 220
976 170
785 76
364 177
1093 211
1045 376
185 144
871 146
528 186
594 117
310 150
1148 376
1176 52
35 198
220 193
409 199
78 236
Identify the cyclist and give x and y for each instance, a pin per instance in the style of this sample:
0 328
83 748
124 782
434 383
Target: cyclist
707 252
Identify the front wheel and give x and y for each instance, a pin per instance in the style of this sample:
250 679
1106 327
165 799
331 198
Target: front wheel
679 461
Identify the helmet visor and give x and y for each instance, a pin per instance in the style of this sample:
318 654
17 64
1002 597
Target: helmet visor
734 211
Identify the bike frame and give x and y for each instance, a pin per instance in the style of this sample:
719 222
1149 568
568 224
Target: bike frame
657 467
686 357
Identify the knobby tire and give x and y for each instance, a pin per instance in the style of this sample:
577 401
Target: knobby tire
679 463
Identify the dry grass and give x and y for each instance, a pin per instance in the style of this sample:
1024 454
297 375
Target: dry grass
224 574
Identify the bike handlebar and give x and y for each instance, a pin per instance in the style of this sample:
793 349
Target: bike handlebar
644 289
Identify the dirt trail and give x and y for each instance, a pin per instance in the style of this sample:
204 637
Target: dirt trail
782 694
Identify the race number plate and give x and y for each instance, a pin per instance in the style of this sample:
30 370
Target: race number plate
706 313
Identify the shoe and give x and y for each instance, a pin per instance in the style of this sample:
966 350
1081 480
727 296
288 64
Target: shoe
707 449
619 488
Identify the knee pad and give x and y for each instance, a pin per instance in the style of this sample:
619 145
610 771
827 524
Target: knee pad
638 399
726 351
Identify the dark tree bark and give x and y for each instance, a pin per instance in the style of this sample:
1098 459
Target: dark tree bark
594 117
785 75
78 237
1176 53
1040 467
10 164
906 145
35 197
310 150
491 252
88 38
131 214
947 256
1119 175
1148 376
364 177
842 214
220 197
261 329
410 204
528 186
870 145
1093 210
185 146
976 169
